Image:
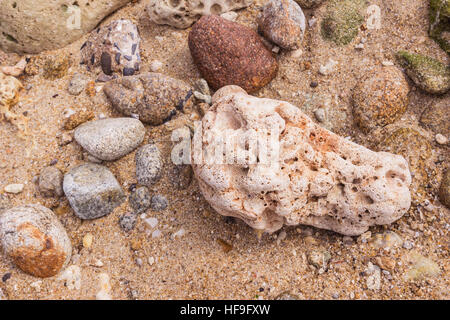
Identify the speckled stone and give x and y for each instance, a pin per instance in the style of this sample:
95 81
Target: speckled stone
148 165
416 149
437 118
159 202
228 53
283 23
77 84
50 182
128 221
444 190
92 191
427 73
140 199
115 48
380 98
35 240
342 20
110 139
153 97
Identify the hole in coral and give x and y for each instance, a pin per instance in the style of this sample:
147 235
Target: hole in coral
174 3
216 9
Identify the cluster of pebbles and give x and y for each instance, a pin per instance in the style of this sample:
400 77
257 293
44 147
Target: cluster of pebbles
231 55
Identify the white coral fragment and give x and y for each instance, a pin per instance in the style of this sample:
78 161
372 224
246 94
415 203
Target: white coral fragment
319 178
183 13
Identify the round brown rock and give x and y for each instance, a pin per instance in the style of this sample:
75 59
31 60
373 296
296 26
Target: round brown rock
228 53
283 23
35 239
380 98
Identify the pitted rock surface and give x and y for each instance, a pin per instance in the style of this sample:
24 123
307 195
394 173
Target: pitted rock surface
183 13
321 179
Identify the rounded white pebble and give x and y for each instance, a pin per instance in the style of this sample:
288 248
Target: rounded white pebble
14 188
441 139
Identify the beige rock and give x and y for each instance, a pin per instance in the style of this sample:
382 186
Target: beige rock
183 13
35 239
33 26
320 178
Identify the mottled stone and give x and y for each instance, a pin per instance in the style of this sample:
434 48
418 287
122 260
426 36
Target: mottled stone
110 139
50 182
148 165
140 199
380 98
35 240
228 53
92 191
283 23
417 151
183 13
437 117
153 97
115 48
128 221
427 73
77 118
159 202
342 20
56 66
440 23
444 190
421 268
77 84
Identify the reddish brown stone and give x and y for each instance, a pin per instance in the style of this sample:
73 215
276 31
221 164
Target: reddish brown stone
228 53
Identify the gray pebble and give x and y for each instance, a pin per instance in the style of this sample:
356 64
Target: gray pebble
50 182
320 114
77 84
110 139
148 165
92 191
159 203
202 86
128 221
140 199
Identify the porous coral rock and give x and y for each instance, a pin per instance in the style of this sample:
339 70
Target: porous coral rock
320 178
183 13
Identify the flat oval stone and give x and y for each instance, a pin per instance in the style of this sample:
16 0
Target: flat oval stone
110 139
92 191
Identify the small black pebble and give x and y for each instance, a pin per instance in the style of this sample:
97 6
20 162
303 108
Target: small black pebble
261 289
129 58
313 84
105 61
55 95
6 277
53 162
128 71
132 187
